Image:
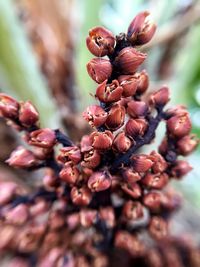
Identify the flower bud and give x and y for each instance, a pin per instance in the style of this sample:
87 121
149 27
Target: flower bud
137 108
99 181
102 140
8 234
160 97
133 210
28 115
129 84
116 117
133 190
81 196
131 176
107 214
100 41
8 106
159 163
143 82
142 163
129 59
179 125
181 168
163 147
7 191
135 127
22 158
158 227
156 181
187 144
141 29
18 215
178 110
109 93
91 159
45 138
95 115
99 69
69 174
70 153
88 217
85 143
121 143
153 201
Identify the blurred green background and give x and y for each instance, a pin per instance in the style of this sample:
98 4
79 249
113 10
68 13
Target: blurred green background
43 55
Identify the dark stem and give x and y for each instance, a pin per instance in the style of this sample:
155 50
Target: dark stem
62 138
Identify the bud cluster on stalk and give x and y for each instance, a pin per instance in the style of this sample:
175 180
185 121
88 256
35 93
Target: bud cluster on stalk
97 195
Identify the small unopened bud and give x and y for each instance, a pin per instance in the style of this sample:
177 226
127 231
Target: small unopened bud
141 29
70 153
99 181
160 165
137 108
81 196
45 138
142 163
133 210
69 174
116 117
178 110
7 191
102 140
187 144
95 115
109 93
8 106
143 82
100 41
88 217
121 142
153 201
158 227
28 115
91 159
85 143
18 215
156 181
131 176
133 190
179 126
99 69
129 84
181 168
135 127
22 158
160 97
129 59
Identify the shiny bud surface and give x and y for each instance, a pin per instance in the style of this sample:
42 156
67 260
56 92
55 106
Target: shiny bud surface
116 117
137 108
99 69
108 93
44 138
8 106
28 114
121 142
99 181
95 115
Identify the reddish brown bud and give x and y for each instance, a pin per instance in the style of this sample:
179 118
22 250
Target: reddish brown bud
129 59
85 143
133 190
133 210
187 144
131 176
121 142
18 215
95 115
142 163
28 114
153 201
181 168
158 227
116 117
178 110
8 106
141 29
108 93
91 159
100 41
70 153
160 97
99 181
7 191
70 174
160 165
163 147
137 108
99 69
45 138
81 196
22 158
156 181
135 127
179 125
88 217
102 140
129 84
143 82
107 214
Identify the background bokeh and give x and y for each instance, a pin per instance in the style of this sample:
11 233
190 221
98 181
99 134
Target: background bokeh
43 57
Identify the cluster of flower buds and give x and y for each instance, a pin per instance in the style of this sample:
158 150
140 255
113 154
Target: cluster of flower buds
97 193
